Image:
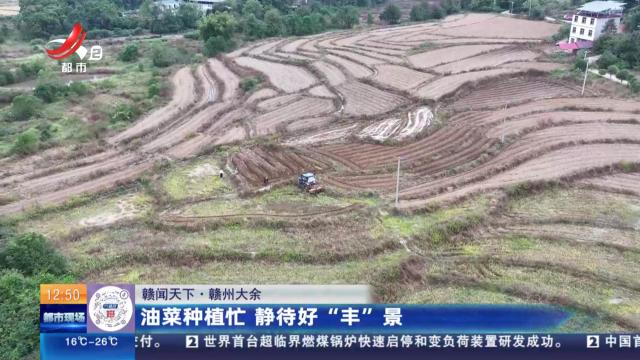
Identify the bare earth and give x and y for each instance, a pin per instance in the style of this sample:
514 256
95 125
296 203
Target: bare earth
357 102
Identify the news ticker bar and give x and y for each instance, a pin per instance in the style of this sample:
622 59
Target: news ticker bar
337 346
125 321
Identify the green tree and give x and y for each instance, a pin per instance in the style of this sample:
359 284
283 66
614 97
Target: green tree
217 24
78 88
253 7
580 63
420 12
148 12
274 25
26 261
437 12
129 53
391 14
607 59
347 17
166 22
6 76
252 27
634 85
163 56
42 18
123 113
49 86
95 14
451 6
28 142
4 31
624 75
369 19
32 254
19 309
153 89
632 20
24 106
216 45
189 15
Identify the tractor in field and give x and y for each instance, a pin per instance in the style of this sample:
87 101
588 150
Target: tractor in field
309 183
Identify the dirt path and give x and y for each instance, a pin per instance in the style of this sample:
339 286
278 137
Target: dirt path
184 95
195 219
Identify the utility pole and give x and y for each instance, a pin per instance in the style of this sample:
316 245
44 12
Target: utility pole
529 8
586 71
398 183
511 12
504 121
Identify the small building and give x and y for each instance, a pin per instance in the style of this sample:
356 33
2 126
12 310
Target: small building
204 5
168 4
590 21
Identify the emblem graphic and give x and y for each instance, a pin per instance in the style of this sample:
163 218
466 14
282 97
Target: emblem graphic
70 46
111 308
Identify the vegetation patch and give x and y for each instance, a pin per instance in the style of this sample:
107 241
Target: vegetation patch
100 212
283 200
578 205
195 180
435 227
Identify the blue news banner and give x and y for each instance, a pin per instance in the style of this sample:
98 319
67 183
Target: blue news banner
126 322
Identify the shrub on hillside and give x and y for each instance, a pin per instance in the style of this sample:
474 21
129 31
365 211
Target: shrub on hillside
6 77
129 53
24 107
193 35
78 88
634 85
624 75
437 12
420 12
26 261
123 113
216 45
19 311
248 85
580 63
607 59
32 254
391 14
163 56
28 142
49 87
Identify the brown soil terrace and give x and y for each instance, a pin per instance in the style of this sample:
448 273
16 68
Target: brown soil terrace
497 119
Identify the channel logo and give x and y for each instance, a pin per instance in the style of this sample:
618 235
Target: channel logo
70 46
110 309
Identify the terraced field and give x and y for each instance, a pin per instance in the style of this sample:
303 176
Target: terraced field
513 186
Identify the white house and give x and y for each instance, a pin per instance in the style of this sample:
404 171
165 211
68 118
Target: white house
590 20
203 4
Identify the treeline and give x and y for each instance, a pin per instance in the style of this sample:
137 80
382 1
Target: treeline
424 11
102 18
534 9
256 20
620 52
